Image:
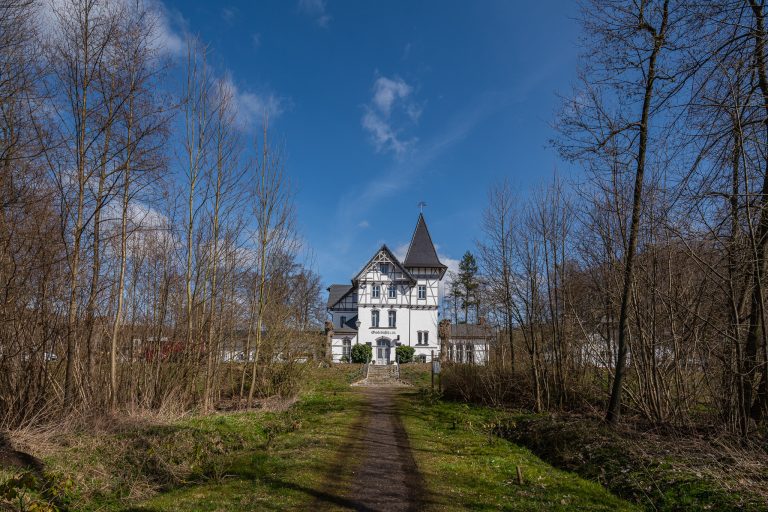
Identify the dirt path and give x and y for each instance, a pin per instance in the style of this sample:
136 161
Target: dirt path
376 470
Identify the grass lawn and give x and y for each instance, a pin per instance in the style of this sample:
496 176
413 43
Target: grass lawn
465 467
289 469
287 460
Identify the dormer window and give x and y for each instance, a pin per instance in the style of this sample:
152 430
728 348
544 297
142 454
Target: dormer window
376 291
384 268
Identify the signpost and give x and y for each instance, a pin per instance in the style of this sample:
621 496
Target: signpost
435 370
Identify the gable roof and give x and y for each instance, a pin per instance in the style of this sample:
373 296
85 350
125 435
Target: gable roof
392 258
471 331
349 326
421 252
336 292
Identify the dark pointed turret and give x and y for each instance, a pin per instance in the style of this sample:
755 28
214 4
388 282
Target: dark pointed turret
421 252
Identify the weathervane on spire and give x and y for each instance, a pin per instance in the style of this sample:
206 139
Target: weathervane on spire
421 206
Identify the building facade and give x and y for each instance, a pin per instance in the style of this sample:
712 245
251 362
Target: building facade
469 343
390 303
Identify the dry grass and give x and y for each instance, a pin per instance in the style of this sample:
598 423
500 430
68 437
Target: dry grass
662 471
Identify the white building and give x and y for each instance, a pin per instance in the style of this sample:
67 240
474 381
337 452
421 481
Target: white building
469 343
390 303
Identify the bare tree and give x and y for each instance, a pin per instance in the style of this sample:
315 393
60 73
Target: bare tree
273 212
496 253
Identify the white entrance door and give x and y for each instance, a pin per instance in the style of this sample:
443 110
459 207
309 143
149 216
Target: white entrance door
382 351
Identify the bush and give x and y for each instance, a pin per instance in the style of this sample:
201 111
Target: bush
344 359
362 353
404 354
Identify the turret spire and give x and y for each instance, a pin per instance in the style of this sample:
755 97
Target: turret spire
421 252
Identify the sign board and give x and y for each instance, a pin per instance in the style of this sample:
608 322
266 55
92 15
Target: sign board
435 366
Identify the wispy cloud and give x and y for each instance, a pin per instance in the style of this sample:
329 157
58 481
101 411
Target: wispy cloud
364 224
315 9
410 167
387 90
256 40
391 104
229 13
383 136
405 170
251 107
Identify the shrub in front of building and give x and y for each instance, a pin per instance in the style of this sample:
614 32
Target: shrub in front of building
404 354
362 353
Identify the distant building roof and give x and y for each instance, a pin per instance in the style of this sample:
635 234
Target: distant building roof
336 292
421 252
471 331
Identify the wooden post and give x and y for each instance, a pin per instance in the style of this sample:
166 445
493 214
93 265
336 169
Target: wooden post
432 369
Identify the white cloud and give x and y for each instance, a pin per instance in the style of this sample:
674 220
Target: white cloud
251 107
386 91
364 224
168 27
453 267
315 9
390 105
382 134
256 40
401 251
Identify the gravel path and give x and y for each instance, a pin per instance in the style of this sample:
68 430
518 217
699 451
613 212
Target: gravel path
383 475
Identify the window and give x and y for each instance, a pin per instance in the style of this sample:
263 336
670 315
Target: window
392 318
346 348
374 318
376 292
422 291
384 268
342 321
426 337
419 342
423 338
392 291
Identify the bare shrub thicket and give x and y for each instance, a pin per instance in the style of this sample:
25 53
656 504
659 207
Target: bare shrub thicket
640 286
148 258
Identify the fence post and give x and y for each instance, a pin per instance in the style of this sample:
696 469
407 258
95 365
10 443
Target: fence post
432 369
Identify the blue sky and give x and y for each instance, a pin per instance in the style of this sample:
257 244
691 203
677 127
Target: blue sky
382 105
